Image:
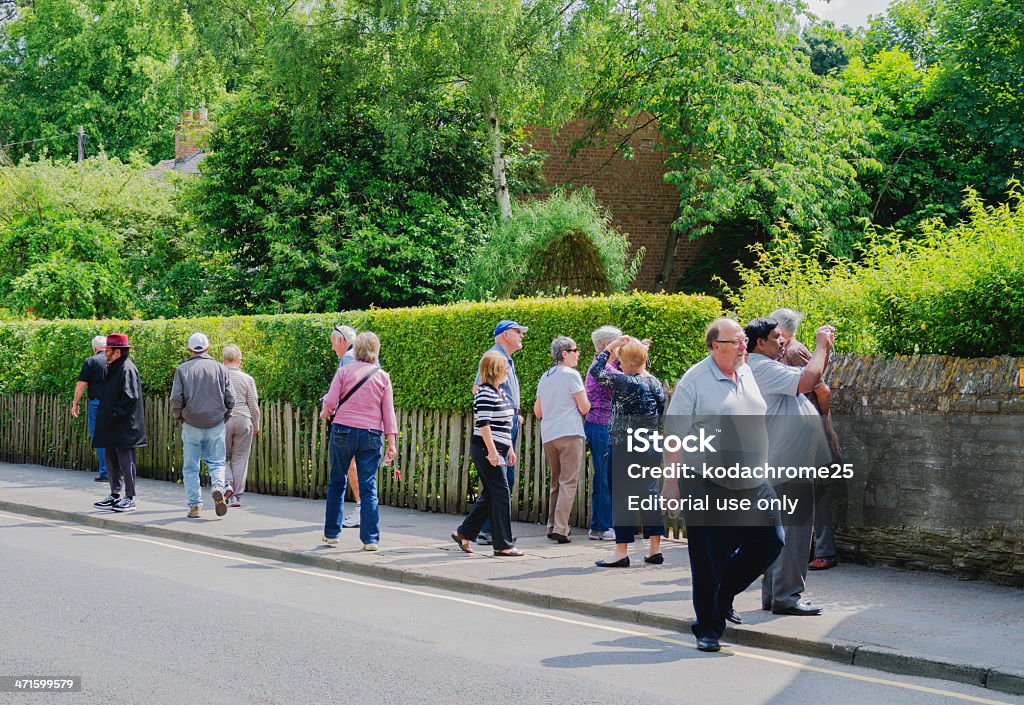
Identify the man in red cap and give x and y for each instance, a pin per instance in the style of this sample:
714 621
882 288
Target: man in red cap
120 424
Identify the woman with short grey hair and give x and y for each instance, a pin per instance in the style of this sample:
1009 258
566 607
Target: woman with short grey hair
604 336
789 320
560 406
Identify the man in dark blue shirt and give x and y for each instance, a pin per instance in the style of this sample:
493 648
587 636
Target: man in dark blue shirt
93 377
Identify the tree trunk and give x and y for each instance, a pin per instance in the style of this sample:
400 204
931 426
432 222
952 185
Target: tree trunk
667 260
498 164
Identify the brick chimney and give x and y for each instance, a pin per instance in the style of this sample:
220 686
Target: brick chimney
191 133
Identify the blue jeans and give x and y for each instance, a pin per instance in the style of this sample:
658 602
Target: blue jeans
91 409
510 471
601 493
206 444
366 446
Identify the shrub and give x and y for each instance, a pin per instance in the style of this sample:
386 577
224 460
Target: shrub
958 290
563 244
431 352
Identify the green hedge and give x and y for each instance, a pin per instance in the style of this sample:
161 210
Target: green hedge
431 351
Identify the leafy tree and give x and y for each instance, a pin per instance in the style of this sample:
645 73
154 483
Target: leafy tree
752 133
335 219
104 64
827 48
517 62
945 80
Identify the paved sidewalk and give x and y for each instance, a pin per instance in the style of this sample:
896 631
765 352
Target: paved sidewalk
905 622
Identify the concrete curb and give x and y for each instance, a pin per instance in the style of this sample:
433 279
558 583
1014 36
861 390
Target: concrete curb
997 678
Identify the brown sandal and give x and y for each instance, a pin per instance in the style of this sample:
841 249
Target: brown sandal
464 543
509 552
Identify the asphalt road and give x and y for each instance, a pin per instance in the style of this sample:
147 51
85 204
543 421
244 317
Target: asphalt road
152 621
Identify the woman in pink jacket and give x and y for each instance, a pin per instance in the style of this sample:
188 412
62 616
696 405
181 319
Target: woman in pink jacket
360 404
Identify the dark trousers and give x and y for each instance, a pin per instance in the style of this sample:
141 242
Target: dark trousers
620 486
726 560
121 470
510 470
493 503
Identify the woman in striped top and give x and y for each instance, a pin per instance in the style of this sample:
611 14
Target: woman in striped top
491 445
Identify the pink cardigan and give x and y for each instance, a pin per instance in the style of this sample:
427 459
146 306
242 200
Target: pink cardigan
371 407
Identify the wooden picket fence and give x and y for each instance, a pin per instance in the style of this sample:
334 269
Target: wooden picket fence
290 455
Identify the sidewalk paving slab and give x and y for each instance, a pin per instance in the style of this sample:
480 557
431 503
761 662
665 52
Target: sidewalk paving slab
917 624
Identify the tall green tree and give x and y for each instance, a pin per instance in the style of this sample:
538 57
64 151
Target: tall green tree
103 64
945 81
752 133
518 62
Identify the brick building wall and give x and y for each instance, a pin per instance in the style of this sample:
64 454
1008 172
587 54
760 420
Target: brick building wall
643 206
947 437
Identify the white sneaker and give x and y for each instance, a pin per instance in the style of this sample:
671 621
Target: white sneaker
352 520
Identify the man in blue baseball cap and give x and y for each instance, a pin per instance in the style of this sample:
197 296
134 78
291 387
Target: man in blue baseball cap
508 338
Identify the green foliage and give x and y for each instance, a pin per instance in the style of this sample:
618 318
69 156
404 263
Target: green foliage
93 240
431 352
945 80
339 216
957 290
105 64
752 133
562 244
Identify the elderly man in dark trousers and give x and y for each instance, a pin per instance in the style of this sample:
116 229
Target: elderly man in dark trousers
201 401
120 424
795 438
92 377
727 552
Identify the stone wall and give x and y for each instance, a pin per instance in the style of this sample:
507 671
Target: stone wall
964 414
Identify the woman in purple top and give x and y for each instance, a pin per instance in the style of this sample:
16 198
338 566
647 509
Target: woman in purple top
595 428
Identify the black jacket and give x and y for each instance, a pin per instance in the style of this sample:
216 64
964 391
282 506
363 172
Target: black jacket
120 420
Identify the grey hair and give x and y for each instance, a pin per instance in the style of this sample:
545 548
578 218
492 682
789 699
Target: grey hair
346 332
231 353
100 341
789 320
367 347
560 346
604 336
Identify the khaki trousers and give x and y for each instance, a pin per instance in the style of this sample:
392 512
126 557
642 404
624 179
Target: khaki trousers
237 446
565 456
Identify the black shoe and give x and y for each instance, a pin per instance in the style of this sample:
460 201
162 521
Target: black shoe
656 559
621 563
726 608
220 506
100 478
706 643
800 609
483 538
107 503
560 538
125 505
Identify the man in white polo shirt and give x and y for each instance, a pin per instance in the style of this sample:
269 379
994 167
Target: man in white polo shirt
795 438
